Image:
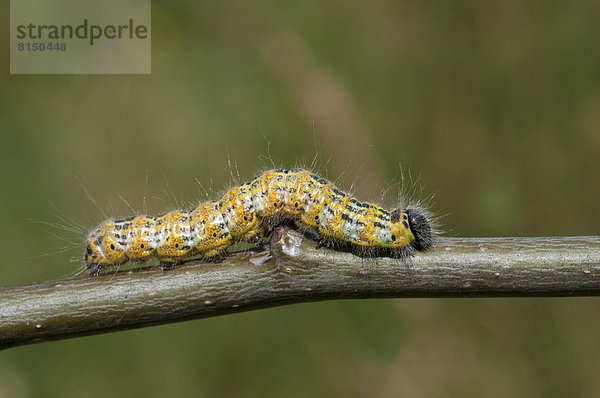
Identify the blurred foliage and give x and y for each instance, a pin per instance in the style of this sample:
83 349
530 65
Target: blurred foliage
492 107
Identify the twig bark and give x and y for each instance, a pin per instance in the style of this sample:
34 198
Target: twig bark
456 267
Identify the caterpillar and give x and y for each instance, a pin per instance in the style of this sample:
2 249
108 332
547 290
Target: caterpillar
249 212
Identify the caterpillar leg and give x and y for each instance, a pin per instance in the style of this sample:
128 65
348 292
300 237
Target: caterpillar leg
95 270
257 240
321 243
218 258
328 243
168 265
214 259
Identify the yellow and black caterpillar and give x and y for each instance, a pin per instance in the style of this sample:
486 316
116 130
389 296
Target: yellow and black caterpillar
250 211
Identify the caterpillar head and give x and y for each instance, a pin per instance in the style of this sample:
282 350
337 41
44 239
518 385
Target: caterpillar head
416 227
103 248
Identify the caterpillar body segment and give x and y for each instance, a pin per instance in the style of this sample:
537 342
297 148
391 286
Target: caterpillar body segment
250 211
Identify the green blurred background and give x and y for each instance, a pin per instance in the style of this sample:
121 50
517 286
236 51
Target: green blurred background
493 108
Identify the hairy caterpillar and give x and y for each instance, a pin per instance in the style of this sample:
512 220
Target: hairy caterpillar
249 212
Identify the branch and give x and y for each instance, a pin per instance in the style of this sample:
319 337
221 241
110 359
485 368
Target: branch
456 267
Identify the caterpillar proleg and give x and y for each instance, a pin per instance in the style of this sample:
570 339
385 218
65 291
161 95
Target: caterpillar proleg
250 211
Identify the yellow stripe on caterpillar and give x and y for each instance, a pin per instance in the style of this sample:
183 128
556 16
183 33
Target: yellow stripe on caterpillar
250 211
